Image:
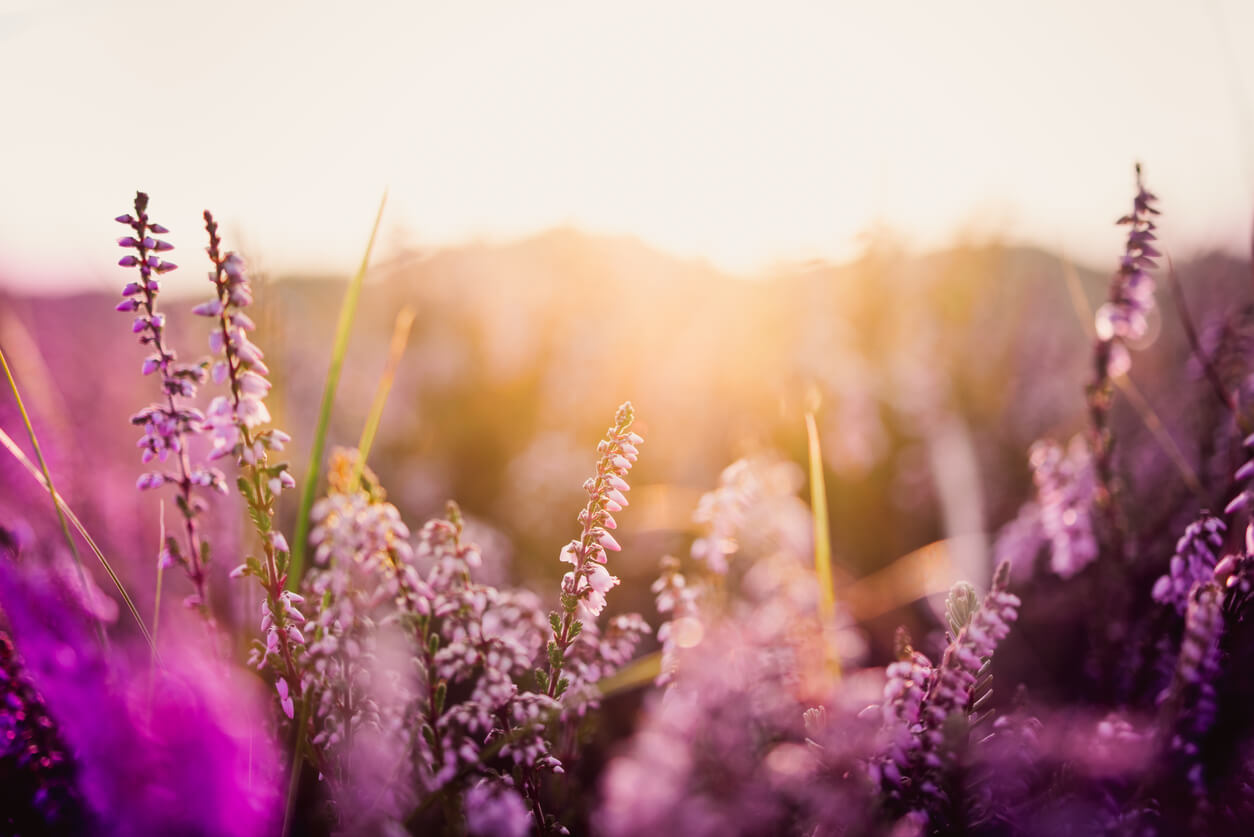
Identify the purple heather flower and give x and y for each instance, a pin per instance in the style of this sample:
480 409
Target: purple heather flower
952 688
233 421
1125 316
1191 698
169 423
1193 562
494 809
904 690
1244 477
1065 485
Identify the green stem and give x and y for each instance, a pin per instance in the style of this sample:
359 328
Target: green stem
348 310
293 780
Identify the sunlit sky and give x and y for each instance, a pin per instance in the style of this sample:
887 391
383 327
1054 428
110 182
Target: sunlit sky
744 133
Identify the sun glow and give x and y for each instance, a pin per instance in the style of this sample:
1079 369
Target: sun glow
743 133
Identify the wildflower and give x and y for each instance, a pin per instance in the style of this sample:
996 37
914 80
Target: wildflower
674 596
1065 489
952 690
233 421
1124 317
496 810
170 423
1191 701
1193 562
585 586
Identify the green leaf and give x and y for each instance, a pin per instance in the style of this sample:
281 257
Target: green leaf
348 311
441 691
576 628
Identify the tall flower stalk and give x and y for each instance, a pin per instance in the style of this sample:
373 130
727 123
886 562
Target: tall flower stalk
170 423
585 586
233 422
1124 317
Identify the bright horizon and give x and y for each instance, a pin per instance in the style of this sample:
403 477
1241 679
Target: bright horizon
745 135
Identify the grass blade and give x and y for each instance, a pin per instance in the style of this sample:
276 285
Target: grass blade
400 336
638 672
12 447
348 311
52 492
156 606
822 539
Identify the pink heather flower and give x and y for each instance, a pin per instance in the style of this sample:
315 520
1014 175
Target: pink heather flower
496 810
585 586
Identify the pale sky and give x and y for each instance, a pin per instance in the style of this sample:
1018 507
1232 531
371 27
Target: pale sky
744 133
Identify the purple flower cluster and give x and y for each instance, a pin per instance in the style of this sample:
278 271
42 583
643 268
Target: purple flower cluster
1194 561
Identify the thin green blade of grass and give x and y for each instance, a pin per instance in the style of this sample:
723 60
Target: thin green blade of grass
822 538
348 312
156 605
101 635
17 453
638 672
400 336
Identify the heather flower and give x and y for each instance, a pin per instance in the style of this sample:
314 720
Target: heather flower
1193 562
755 502
906 683
1124 317
234 420
1191 702
1244 477
1065 490
38 781
168 424
677 599
356 658
952 696
585 586
494 809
